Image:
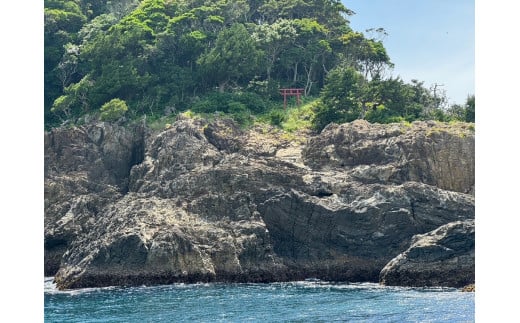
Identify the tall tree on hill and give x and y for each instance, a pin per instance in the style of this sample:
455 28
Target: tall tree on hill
234 58
274 39
469 115
340 98
62 21
366 55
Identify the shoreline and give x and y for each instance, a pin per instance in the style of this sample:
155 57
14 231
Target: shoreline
208 201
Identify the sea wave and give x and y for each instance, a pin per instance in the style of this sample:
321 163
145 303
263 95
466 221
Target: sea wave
50 288
317 283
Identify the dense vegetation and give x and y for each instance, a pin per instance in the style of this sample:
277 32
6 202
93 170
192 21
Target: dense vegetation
130 58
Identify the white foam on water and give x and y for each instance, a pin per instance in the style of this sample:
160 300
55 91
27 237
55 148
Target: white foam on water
313 283
317 283
49 287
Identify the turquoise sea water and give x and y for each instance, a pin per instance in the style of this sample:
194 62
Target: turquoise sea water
308 301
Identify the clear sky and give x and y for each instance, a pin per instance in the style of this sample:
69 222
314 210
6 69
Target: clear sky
428 40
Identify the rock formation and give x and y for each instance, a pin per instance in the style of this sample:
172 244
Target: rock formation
442 257
433 153
208 201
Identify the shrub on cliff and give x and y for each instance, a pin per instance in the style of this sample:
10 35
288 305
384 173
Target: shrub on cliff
228 102
339 98
113 110
276 117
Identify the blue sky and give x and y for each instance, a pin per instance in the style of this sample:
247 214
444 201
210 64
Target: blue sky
428 40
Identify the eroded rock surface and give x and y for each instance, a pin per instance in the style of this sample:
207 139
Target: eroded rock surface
430 152
204 201
442 257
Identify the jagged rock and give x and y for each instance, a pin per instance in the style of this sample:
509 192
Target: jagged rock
224 134
143 240
85 168
103 152
365 223
430 152
442 257
206 201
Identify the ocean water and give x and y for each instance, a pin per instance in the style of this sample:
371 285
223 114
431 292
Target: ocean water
307 301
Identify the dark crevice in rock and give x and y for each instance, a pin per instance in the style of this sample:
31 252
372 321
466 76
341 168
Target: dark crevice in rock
136 157
137 153
322 194
412 208
55 243
54 250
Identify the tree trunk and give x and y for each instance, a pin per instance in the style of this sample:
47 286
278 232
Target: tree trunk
222 86
308 84
295 75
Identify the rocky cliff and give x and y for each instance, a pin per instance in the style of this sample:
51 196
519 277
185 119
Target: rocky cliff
207 201
442 257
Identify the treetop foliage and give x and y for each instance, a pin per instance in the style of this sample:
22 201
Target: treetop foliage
159 56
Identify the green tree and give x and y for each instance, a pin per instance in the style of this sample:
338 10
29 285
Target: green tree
234 58
93 8
95 28
465 112
393 101
470 109
120 8
312 46
366 55
330 12
456 112
274 39
113 110
68 66
62 20
340 98
117 60
75 100
303 62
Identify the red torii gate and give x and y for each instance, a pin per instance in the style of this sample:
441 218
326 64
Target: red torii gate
291 92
